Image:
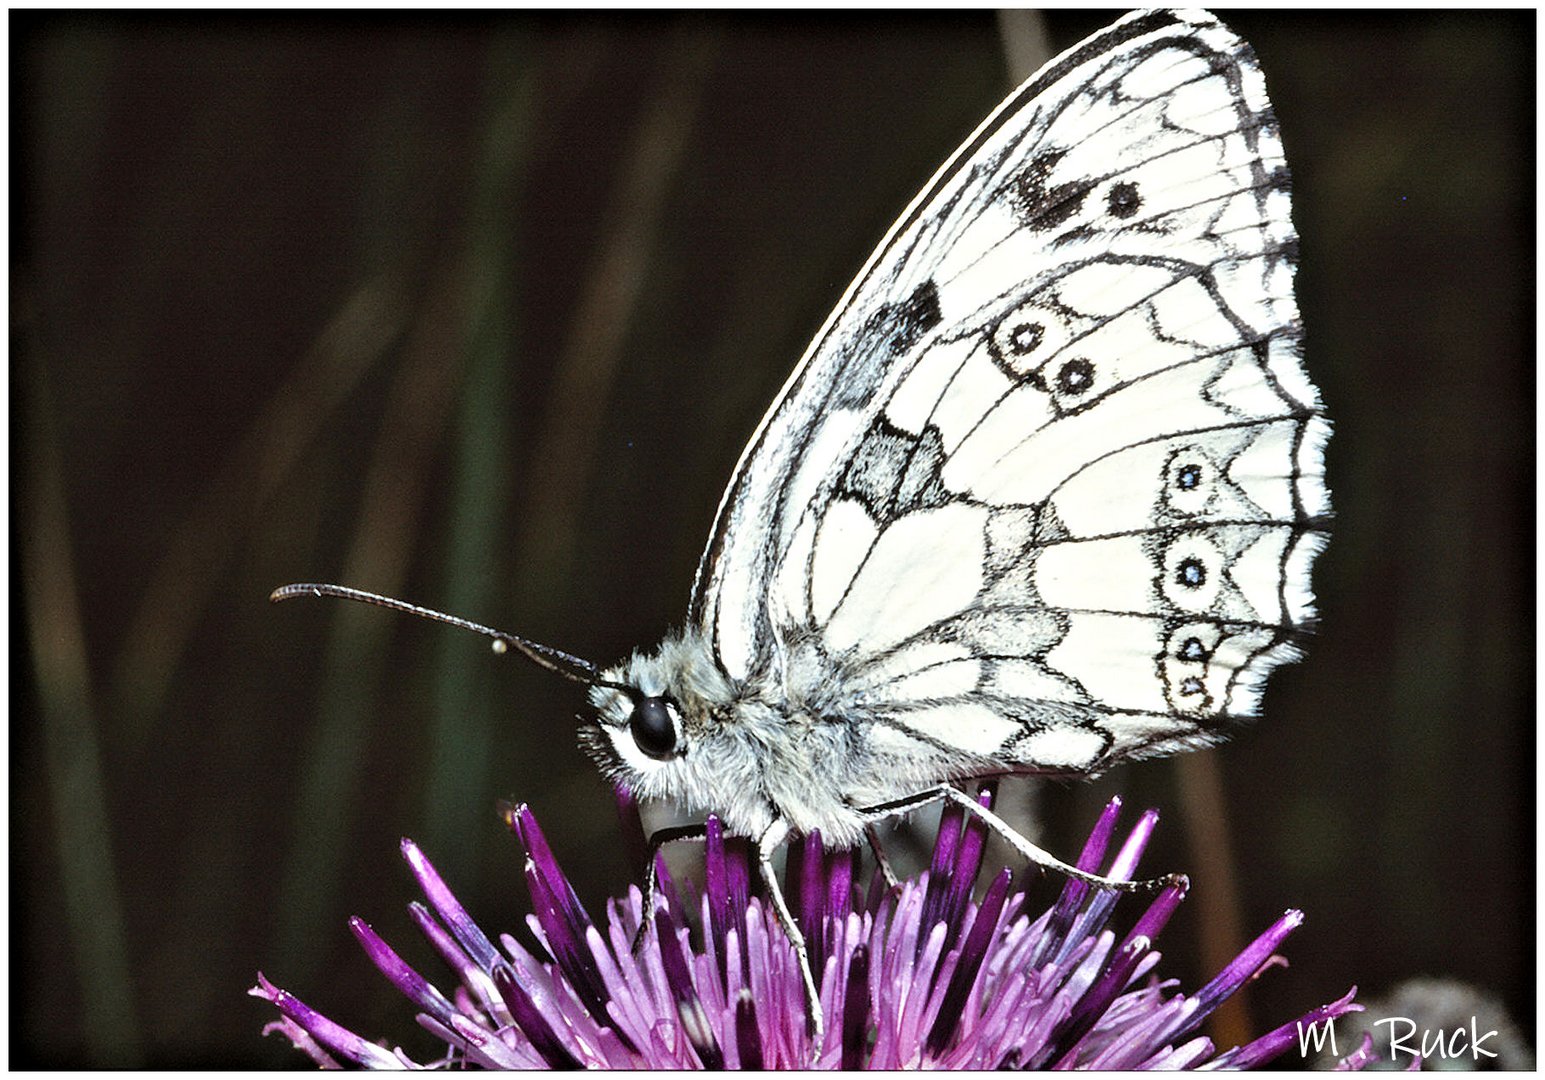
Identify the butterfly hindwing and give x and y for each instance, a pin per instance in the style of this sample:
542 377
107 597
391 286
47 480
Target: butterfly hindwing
1045 490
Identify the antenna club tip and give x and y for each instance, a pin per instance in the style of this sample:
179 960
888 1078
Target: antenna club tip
500 646
285 592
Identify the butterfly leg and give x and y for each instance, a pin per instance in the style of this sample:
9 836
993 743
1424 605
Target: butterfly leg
885 811
1046 859
1034 854
657 840
884 863
768 843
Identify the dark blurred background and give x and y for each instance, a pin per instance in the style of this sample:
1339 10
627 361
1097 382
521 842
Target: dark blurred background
480 310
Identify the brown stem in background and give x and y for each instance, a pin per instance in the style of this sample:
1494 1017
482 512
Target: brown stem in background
1204 808
565 444
1025 44
231 506
418 409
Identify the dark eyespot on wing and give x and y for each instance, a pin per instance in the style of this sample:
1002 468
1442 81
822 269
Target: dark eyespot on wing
1192 649
1075 377
889 332
1043 206
1123 200
914 317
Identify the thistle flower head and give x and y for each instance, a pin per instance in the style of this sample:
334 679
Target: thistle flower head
918 975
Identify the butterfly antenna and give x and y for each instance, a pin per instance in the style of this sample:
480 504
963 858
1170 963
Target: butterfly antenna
556 660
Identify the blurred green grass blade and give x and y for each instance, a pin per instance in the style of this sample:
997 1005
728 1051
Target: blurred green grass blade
82 827
464 716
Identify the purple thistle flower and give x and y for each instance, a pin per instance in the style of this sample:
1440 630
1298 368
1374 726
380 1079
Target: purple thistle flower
919 975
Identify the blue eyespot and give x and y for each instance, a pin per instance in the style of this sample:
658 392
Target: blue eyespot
1191 573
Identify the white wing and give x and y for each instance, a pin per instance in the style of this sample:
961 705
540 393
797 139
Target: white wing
1046 488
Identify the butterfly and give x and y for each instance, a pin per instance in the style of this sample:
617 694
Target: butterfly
1042 496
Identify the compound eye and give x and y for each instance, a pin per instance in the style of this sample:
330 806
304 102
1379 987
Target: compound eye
653 726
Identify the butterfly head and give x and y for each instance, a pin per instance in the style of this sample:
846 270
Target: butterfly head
639 730
653 711
667 725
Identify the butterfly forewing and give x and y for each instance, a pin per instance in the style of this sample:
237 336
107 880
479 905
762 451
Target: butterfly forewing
1046 488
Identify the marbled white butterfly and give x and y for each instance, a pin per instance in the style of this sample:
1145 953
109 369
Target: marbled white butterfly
1042 495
